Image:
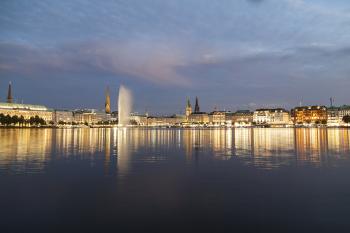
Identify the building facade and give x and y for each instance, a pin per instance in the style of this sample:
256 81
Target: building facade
310 115
271 117
90 116
218 118
62 116
27 111
166 121
188 110
335 115
242 118
200 118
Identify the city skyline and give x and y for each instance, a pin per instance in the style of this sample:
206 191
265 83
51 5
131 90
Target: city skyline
112 106
241 54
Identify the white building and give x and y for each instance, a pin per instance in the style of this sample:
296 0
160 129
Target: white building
271 117
335 115
26 110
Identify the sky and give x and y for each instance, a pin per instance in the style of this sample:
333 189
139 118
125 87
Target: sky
232 54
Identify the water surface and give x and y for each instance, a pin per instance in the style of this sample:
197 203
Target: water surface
162 180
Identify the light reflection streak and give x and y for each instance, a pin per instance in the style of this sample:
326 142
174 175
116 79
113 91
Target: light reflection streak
31 150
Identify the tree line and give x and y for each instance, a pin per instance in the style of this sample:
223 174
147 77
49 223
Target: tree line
8 120
346 119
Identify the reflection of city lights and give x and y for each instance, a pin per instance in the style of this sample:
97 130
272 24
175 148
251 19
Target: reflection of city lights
29 150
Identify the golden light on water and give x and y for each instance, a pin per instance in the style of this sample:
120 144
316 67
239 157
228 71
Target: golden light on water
31 150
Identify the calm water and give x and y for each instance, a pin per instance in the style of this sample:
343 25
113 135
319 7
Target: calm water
172 180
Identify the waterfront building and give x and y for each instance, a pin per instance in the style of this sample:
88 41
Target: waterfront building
344 111
90 116
26 110
228 118
197 117
242 118
166 121
138 119
200 118
218 118
271 117
333 118
188 109
62 116
335 115
309 115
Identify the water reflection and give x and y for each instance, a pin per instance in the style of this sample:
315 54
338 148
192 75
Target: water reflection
32 150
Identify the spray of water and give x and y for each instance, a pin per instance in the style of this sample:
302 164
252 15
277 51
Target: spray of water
124 105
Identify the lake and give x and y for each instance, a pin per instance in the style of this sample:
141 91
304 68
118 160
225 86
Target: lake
175 180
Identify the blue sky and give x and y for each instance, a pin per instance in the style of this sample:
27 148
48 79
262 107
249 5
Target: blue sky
232 54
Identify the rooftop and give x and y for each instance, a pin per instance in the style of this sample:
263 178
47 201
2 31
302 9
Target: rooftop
272 109
316 107
23 106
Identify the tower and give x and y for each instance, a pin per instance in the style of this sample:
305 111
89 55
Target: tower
9 94
108 102
196 108
188 108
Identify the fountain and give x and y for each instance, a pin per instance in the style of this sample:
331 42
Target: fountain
124 105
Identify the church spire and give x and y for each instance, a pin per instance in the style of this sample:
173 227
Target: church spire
188 108
9 94
196 108
108 101
188 103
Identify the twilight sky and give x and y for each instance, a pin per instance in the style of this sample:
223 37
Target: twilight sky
232 54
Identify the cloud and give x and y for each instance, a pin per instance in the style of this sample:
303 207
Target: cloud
153 62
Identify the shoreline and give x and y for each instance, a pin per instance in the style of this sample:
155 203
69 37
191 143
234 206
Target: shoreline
174 127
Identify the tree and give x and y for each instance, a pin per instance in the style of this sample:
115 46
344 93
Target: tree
133 122
31 121
14 120
8 120
346 119
37 121
2 119
21 120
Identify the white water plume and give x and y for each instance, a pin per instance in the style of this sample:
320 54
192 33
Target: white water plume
124 105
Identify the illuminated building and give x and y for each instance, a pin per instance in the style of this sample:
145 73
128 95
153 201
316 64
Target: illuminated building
108 102
62 116
199 118
165 120
26 110
242 118
344 111
138 119
188 109
309 115
271 117
335 115
90 116
333 118
217 118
